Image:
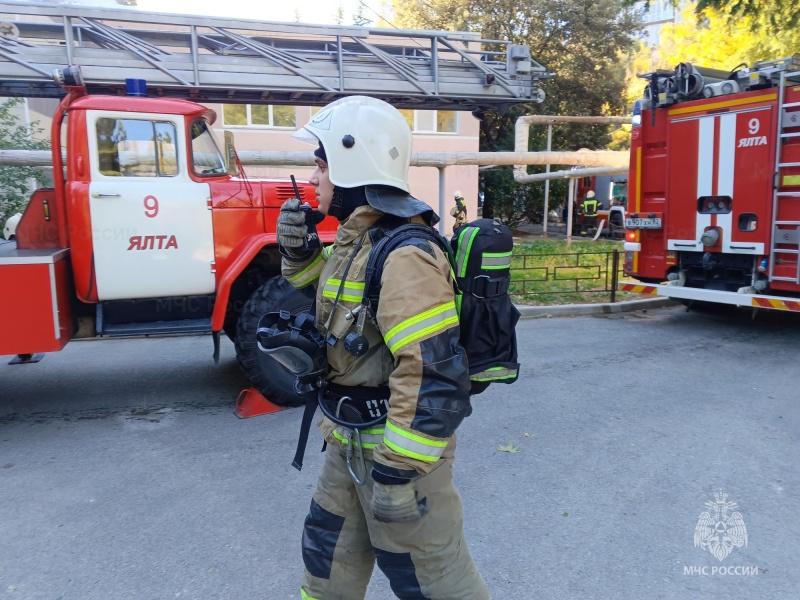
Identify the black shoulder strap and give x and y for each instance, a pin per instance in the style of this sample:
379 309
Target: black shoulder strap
390 240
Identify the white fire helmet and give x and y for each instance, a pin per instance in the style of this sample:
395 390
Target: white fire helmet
10 228
366 141
590 194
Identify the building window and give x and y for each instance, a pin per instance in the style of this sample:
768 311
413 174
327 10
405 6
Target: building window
431 121
258 115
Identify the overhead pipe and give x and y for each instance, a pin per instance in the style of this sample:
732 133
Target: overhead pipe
438 160
588 158
577 173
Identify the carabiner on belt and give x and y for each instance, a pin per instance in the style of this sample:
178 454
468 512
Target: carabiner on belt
362 465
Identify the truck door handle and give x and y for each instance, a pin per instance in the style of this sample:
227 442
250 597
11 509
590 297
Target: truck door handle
96 195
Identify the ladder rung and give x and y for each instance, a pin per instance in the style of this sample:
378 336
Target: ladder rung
790 75
784 279
780 251
787 223
791 104
791 164
790 135
789 194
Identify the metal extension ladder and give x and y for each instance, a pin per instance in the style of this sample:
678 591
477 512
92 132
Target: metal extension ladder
225 60
785 233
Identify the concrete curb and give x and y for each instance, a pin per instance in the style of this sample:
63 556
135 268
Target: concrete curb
574 310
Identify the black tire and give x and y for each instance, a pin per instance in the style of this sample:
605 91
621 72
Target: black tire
264 373
616 227
241 290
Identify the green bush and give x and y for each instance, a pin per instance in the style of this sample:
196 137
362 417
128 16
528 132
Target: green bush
15 182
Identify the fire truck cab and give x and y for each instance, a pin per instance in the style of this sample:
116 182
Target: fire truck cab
148 229
713 213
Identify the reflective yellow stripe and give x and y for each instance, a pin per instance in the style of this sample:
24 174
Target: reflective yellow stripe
464 246
370 438
309 274
327 251
431 321
496 260
726 104
304 596
353 291
413 445
494 374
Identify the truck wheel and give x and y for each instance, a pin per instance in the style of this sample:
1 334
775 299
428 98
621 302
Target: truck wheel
266 375
242 289
616 226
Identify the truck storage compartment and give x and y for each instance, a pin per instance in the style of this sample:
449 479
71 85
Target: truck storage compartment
35 313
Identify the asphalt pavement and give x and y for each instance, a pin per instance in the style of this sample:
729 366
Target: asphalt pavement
124 473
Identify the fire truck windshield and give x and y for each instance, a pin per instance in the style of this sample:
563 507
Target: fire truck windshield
206 157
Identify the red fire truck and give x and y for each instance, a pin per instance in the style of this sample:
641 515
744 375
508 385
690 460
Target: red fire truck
147 230
713 213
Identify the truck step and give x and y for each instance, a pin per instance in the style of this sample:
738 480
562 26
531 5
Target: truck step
158 328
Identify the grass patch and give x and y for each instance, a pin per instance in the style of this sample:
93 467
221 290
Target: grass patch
547 272
561 246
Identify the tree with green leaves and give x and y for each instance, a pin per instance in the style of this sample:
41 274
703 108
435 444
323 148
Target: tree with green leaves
770 17
776 12
16 182
723 37
582 41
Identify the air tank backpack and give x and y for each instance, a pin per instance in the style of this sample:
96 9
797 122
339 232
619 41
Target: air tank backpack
480 257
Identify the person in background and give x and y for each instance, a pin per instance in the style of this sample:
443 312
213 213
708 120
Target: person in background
588 212
459 211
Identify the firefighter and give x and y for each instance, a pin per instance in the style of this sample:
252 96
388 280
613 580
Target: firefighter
588 212
385 492
459 211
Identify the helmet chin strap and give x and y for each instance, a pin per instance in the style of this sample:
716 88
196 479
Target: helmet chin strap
336 209
345 201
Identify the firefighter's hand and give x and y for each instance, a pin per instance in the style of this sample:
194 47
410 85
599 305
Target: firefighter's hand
292 228
397 503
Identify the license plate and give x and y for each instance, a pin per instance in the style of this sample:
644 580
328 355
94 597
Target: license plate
643 223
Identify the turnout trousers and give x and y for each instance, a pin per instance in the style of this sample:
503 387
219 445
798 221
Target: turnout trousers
423 560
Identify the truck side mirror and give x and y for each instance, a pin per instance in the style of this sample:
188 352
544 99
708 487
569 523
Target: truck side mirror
231 166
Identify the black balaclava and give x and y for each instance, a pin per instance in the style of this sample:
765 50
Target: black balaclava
345 200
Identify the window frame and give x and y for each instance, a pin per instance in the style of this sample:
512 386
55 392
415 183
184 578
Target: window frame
415 127
249 118
156 152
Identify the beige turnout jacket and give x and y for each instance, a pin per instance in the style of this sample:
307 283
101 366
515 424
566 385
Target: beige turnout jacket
413 343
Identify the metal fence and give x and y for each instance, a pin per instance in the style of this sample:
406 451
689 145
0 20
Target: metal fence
536 276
